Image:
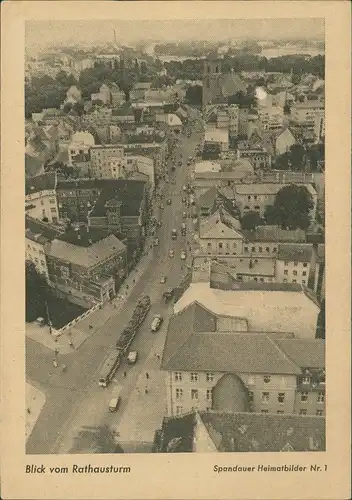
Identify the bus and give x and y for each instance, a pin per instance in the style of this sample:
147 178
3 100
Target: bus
110 366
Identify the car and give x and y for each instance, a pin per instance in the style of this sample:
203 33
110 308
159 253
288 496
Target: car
180 163
159 223
161 207
163 279
171 253
156 242
169 201
190 158
184 215
156 323
132 357
183 255
173 168
184 187
184 199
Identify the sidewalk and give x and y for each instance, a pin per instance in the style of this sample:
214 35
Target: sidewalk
35 400
144 412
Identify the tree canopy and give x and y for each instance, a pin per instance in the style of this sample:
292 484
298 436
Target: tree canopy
251 220
292 207
194 95
36 291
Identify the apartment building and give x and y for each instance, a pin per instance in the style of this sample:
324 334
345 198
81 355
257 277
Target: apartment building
40 197
213 364
220 234
101 157
87 265
255 153
79 147
304 113
38 236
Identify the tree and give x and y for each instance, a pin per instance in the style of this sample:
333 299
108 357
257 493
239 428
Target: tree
36 292
292 207
320 332
297 153
251 220
194 95
270 215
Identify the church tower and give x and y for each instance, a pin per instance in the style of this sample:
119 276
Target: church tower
212 80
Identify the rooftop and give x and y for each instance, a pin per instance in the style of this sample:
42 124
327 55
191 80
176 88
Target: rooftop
207 166
129 192
83 253
39 231
271 188
216 135
299 252
243 432
43 182
305 353
275 234
220 225
233 265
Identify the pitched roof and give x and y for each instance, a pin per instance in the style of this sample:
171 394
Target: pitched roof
82 255
129 192
41 182
299 252
33 166
225 352
275 234
305 353
208 198
220 225
232 83
243 432
39 231
142 86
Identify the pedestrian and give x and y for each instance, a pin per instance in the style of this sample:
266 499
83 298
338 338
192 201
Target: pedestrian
146 390
71 344
158 356
124 374
90 327
29 411
134 281
56 351
147 375
55 363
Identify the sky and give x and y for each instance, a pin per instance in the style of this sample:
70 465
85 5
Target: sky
44 33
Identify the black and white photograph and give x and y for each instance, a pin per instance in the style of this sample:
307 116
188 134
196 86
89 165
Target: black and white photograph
175 249
174 236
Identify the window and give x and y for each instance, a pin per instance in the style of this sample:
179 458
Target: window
304 396
255 279
42 263
246 249
265 397
280 412
305 264
281 397
255 197
286 263
267 249
194 377
253 249
321 397
220 245
210 377
285 272
306 379
53 210
319 413
249 197
209 393
294 273
274 250
179 410
304 273
194 393
178 376
266 379
209 244
294 281
260 249
52 201
303 282
303 411
285 280
179 393
264 411
42 202
262 280
257 207
250 396
295 263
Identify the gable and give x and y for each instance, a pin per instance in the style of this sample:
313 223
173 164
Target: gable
287 447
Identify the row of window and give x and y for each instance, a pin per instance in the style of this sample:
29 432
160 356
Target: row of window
304 273
281 397
260 249
194 393
193 377
303 282
319 413
295 263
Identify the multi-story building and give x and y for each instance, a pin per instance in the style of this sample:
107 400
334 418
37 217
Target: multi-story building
294 264
283 141
40 200
86 265
304 113
234 116
220 234
257 196
217 137
271 117
79 147
139 90
319 125
255 153
38 236
101 157
214 363
216 431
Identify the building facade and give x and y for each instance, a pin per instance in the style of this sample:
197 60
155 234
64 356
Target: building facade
40 199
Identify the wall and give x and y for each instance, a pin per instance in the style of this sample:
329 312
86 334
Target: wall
35 253
312 405
45 205
221 247
285 384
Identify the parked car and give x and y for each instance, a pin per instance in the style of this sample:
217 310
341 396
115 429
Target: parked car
156 242
156 323
183 255
163 279
169 201
184 215
132 357
184 199
180 163
171 253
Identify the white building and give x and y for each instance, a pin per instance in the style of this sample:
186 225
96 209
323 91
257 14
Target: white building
79 147
38 236
40 200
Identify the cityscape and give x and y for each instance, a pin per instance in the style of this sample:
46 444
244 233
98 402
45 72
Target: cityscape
175 236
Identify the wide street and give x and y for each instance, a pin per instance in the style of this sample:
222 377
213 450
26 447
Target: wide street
74 400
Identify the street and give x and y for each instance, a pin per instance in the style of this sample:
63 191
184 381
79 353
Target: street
74 400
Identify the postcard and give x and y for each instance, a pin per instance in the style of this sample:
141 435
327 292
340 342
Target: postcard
176 250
